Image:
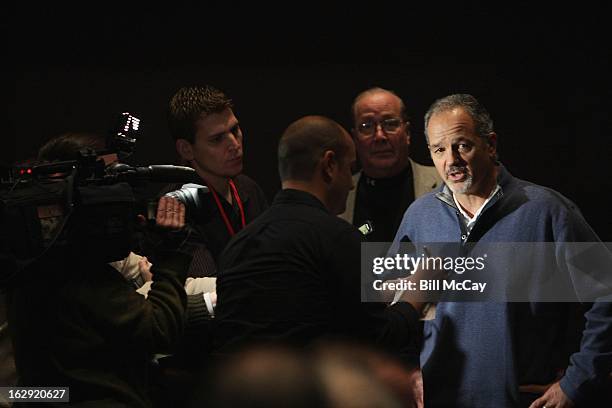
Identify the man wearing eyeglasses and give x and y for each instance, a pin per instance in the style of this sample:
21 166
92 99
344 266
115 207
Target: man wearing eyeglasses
389 180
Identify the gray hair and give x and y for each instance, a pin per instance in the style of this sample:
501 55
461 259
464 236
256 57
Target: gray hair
482 120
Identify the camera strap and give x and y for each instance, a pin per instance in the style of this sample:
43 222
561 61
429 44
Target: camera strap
236 197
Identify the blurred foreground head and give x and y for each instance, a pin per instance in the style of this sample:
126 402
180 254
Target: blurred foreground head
329 375
266 377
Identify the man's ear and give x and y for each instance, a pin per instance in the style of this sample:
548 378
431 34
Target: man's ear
184 149
492 142
328 165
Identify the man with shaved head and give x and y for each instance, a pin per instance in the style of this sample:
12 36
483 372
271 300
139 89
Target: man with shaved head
293 275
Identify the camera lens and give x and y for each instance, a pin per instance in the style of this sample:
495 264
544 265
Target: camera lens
187 194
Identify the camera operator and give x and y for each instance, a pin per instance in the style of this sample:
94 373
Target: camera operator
77 322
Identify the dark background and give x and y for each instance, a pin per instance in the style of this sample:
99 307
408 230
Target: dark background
543 75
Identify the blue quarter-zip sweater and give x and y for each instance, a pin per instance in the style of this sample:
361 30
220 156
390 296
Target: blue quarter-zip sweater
476 354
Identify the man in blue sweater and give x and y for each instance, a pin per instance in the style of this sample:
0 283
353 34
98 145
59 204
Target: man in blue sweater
498 354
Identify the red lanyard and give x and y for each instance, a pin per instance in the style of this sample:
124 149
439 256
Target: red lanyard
228 225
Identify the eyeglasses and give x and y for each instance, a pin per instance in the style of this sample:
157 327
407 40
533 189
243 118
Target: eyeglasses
390 125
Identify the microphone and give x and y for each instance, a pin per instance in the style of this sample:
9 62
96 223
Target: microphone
157 172
367 228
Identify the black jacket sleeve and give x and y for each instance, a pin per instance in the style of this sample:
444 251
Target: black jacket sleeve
128 318
393 328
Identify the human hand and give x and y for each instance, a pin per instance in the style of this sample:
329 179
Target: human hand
416 388
554 397
420 298
144 266
170 213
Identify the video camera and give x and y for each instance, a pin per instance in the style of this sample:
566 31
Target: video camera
80 206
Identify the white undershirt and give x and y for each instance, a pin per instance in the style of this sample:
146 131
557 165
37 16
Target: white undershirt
468 221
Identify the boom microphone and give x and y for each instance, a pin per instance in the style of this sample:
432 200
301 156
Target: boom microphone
161 173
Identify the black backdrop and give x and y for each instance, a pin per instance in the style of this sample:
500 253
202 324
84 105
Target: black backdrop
543 76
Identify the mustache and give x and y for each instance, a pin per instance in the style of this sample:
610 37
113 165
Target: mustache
456 169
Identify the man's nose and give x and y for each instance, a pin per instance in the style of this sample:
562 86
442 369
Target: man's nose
234 140
379 133
455 156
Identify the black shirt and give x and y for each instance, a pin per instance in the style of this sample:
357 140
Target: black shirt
383 201
209 229
293 275
209 235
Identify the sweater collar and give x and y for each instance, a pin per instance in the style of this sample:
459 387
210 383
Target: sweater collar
503 179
